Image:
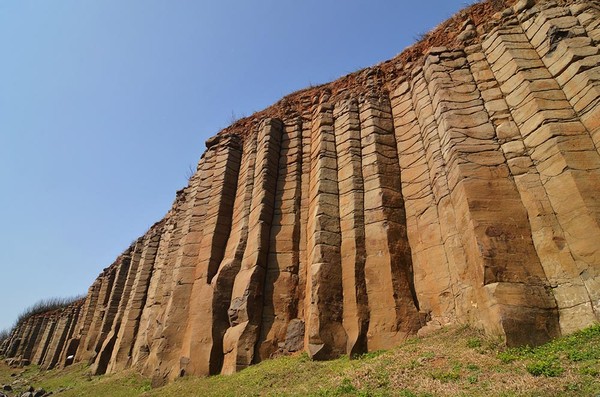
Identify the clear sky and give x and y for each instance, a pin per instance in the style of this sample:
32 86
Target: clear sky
105 106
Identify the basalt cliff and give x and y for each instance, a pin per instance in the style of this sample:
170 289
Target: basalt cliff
458 183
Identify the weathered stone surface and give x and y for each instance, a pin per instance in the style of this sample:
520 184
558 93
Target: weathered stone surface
325 336
245 310
352 225
388 267
456 184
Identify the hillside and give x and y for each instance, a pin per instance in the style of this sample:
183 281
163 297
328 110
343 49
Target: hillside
452 362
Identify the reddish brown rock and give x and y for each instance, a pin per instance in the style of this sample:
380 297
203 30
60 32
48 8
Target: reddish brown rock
454 184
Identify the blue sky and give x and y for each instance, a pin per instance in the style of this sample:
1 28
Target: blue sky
105 105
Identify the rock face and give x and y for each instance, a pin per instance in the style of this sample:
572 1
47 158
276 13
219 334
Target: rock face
42 339
457 183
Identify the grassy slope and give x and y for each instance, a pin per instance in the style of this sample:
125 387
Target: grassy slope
452 362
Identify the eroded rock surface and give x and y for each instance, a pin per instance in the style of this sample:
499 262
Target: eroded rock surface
456 183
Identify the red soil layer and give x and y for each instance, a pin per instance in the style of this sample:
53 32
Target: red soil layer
299 102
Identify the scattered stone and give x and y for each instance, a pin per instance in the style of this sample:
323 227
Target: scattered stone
466 35
523 5
466 24
437 50
39 393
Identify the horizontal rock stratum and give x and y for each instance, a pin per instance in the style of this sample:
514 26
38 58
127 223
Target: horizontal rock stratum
458 183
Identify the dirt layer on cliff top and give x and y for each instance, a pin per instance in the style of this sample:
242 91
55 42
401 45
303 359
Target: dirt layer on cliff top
444 35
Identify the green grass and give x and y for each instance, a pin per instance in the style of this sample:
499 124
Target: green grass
75 381
580 351
452 362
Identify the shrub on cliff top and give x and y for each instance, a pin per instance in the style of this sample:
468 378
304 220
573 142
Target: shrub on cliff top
4 334
46 305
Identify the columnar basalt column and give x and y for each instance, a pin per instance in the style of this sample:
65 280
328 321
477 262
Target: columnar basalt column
569 54
101 352
149 319
208 334
67 349
388 268
25 333
352 225
303 254
558 143
500 252
39 355
464 299
217 227
89 340
548 236
177 276
280 294
208 225
245 310
435 283
34 341
325 336
121 356
105 350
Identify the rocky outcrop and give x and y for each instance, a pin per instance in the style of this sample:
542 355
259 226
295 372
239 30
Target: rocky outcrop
454 184
41 338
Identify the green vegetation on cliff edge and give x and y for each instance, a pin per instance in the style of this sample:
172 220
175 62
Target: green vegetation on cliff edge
452 362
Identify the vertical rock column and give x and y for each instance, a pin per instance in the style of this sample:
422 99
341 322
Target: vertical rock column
206 342
160 277
388 268
352 225
86 348
558 143
106 349
24 336
112 311
208 225
45 339
500 253
575 308
216 231
34 340
280 298
85 320
464 299
303 254
68 349
572 58
325 336
61 358
245 310
121 354
178 271
4 345
434 283
59 337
